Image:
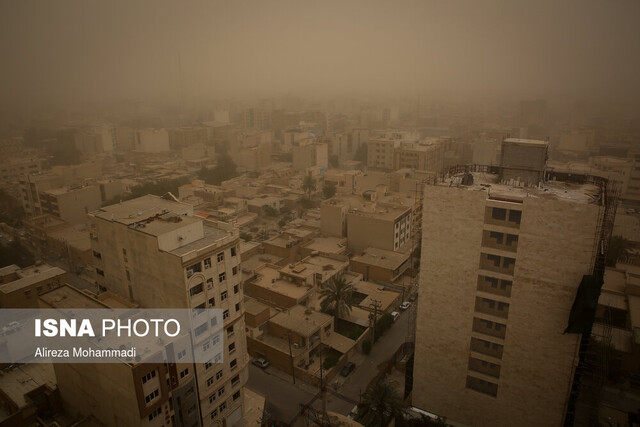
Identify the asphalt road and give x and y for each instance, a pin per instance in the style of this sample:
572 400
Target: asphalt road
284 399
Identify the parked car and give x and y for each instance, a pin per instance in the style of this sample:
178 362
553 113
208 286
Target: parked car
405 305
347 369
395 315
413 297
354 413
261 362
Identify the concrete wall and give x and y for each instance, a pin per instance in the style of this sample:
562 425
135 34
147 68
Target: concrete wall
363 231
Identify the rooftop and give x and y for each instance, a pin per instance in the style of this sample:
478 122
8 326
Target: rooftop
377 293
301 320
211 236
27 276
66 296
22 379
328 245
557 190
268 278
140 209
253 307
523 141
382 258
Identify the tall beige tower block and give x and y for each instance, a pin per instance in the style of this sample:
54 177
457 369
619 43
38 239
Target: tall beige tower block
499 273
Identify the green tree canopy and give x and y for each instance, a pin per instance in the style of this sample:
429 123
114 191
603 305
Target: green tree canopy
380 404
337 295
308 185
329 190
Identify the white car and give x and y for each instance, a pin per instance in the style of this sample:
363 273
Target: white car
405 305
395 315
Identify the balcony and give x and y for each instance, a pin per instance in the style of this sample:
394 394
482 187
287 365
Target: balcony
482 386
490 328
497 264
484 367
494 286
491 307
501 241
502 217
487 348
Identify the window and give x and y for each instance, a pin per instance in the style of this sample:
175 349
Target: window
499 213
197 289
236 289
233 364
223 295
222 276
234 271
212 302
147 377
218 358
214 413
99 272
233 251
220 391
515 216
235 380
237 307
182 353
206 345
232 347
207 365
218 374
221 257
149 397
192 269
209 381
207 263
498 237
236 396
222 407
155 413
201 329
216 339
230 330
184 373
124 252
225 314
214 320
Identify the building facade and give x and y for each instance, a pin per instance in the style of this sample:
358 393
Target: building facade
500 271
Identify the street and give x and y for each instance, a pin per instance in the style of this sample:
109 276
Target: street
283 398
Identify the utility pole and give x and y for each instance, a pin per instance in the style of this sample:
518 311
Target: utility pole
375 304
323 388
293 369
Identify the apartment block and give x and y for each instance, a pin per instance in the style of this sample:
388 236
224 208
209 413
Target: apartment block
156 253
132 392
367 223
308 153
20 287
71 204
423 155
186 136
501 266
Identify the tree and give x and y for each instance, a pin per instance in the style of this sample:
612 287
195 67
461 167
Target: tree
380 404
618 250
337 295
329 190
225 169
308 185
15 253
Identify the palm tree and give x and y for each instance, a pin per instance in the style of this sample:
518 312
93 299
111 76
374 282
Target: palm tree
380 404
337 295
618 250
308 185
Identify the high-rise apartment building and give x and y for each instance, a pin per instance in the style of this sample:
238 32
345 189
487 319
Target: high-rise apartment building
501 266
156 253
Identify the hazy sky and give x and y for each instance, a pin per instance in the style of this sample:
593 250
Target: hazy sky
71 51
